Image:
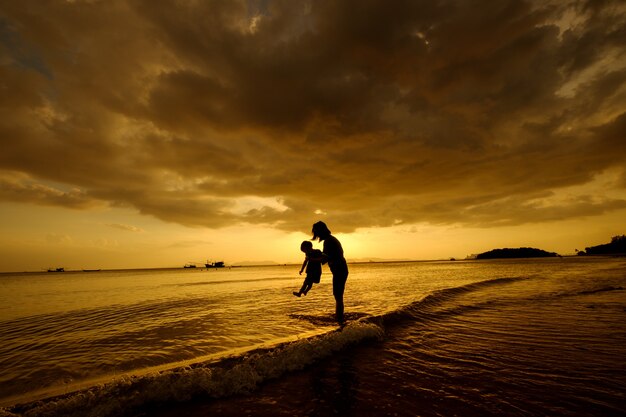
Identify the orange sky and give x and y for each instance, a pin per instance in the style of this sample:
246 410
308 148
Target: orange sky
149 134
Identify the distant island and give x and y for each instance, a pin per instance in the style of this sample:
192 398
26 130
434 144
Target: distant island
615 247
507 253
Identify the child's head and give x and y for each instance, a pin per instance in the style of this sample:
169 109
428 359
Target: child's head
306 246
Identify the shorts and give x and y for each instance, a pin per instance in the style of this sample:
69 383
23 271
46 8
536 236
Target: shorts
315 279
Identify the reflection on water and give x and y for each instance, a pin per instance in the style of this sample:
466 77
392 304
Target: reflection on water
552 324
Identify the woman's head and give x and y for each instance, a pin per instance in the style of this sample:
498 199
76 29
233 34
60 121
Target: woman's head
320 231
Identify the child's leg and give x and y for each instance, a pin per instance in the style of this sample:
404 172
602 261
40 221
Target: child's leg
308 286
309 283
303 289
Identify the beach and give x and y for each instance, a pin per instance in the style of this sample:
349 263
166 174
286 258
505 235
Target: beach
503 337
174 175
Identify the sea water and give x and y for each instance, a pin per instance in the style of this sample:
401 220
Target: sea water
505 337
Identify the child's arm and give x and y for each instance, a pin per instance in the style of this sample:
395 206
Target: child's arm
319 257
306 261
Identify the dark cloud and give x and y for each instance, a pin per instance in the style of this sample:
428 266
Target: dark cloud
366 113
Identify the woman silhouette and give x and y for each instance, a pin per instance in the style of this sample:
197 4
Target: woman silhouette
333 254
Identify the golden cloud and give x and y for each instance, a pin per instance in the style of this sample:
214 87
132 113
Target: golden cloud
437 111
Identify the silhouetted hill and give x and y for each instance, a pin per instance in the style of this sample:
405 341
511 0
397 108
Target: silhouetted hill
515 253
616 246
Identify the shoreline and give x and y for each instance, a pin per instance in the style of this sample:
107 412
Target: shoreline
199 377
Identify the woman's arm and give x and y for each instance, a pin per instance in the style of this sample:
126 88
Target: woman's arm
318 257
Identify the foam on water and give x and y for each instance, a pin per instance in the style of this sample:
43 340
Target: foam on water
228 377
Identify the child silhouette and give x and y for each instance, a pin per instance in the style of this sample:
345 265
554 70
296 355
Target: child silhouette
313 265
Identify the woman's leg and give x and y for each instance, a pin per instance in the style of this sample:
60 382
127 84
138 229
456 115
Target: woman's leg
339 286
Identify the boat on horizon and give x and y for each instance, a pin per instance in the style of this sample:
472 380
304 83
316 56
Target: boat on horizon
218 264
56 269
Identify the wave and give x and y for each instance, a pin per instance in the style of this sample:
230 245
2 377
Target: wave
228 281
228 377
597 290
578 293
427 308
237 374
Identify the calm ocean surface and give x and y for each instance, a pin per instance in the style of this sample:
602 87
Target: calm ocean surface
506 337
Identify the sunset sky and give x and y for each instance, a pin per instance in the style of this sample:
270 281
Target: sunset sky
155 133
